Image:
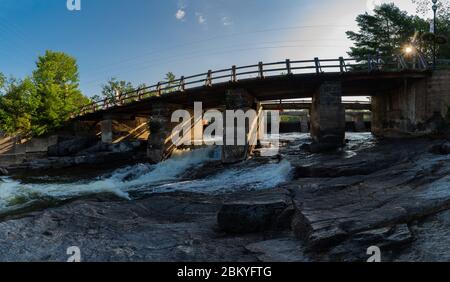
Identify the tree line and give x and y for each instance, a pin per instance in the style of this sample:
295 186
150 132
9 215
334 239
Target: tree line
46 100
388 30
43 101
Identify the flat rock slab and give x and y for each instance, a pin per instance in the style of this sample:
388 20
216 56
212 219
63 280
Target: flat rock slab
256 212
432 240
386 239
161 228
331 210
287 249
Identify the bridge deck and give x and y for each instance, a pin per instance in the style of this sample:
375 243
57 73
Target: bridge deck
294 86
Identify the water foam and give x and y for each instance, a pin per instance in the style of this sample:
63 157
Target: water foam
260 177
118 183
163 177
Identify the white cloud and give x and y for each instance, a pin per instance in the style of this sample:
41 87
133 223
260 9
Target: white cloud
200 18
181 14
226 21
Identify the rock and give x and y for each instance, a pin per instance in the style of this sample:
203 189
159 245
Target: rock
442 149
168 228
286 249
432 240
347 167
71 147
387 239
3 171
332 210
263 211
324 147
124 147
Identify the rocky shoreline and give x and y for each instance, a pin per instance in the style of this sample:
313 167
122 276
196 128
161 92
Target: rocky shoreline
393 195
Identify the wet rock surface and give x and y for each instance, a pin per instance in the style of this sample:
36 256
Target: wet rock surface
390 194
160 228
71 147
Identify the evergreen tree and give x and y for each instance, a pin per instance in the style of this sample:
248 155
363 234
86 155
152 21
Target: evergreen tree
385 32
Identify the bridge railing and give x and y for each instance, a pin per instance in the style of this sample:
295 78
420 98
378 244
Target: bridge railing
260 70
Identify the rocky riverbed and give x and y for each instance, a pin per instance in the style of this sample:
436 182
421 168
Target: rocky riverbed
293 206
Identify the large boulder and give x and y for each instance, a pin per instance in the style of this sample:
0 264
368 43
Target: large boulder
264 211
71 147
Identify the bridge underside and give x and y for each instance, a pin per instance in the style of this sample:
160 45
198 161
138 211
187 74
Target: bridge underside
403 102
271 88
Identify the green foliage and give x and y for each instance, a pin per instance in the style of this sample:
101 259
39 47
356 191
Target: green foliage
170 79
18 106
44 102
2 80
388 29
385 32
56 80
109 89
290 119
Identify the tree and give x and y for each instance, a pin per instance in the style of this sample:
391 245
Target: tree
385 32
109 89
17 106
2 80
56 79
170 79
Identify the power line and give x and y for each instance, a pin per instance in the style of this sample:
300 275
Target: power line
227 47
225 36
226 52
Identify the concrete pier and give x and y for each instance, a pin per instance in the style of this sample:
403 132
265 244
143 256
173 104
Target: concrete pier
304 123
328 116
236 146
160 146
358 120
107 131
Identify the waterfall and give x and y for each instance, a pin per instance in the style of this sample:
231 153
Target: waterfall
145 178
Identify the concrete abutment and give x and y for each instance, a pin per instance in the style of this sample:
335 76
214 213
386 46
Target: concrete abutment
417 107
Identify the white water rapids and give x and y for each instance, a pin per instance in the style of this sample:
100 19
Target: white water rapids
145 178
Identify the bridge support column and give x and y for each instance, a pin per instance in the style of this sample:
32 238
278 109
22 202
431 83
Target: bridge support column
358 120
238 105
304 123
107 131
328 117
416 107
160 146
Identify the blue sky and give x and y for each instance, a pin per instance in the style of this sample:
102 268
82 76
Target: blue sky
141 40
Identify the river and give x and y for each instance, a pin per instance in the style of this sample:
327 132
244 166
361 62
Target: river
173 175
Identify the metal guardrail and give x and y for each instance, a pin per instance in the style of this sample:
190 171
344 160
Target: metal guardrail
260 70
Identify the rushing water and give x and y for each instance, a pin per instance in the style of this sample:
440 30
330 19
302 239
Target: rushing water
164 177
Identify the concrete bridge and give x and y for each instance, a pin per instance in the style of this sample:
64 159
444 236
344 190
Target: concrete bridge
406 99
